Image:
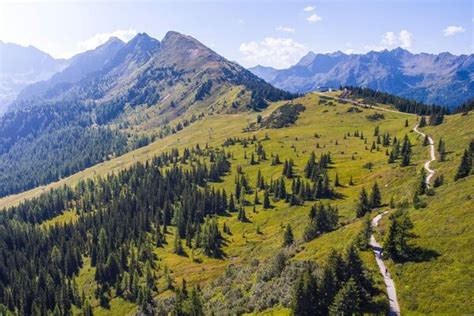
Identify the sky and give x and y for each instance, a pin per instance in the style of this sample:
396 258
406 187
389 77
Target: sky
271 33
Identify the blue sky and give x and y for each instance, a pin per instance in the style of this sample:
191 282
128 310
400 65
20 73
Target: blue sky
272 33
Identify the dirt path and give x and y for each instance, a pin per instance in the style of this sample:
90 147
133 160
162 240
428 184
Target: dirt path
389 283
430 171
376 247
363 104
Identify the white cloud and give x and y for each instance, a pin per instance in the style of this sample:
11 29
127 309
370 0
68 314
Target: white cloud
309 8
453 30
101 38
275 52
285 29
240 21
405 38
313 18
391 40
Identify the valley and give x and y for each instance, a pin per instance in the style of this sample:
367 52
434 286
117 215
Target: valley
325 126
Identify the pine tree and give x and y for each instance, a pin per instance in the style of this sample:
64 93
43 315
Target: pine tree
266 200
336 181
441 150
364 235
406 152
347 300
399 232
305 300
288 237
242 217
422 122
351 182
375 197
426 141
376 131
231 203
178 245
363 206
422 186
252 159
256 201
465 166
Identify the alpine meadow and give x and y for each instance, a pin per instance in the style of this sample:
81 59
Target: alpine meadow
144 173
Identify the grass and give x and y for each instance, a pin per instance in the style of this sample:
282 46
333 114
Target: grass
443 281
441 284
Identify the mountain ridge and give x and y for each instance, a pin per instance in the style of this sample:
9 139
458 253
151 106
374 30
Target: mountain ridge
129 96
443 79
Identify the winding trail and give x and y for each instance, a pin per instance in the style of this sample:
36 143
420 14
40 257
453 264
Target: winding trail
389 283
376 247
431 172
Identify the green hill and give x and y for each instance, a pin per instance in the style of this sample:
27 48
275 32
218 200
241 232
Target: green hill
106 104
253 273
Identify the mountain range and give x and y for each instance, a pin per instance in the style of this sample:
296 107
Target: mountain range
115 98
443 79
21 66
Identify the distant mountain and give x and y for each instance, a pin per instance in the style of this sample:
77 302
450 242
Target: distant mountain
443 79
115 98
79 67
21 66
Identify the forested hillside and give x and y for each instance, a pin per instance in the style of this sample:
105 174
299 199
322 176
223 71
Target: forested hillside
244 212
116 98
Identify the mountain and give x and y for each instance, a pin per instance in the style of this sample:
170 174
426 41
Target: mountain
21 66
118 97
79 67
442 79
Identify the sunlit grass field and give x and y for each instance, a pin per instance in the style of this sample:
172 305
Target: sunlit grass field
442 283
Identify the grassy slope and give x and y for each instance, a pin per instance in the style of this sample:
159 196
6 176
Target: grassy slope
414 280
444 283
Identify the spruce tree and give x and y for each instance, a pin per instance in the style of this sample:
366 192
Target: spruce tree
375 196
422 186
256 201
336 181
441 150
465 166
178 245
422 122
364 235
242 217
363 205
288 237
266 200
347 300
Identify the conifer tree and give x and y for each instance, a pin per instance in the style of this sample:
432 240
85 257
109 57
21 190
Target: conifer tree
256 201
336 181
426 141
375 196
422 122
441 149
363 205
364 235
288 237
266 200
242 217
231 203
347 300
351 182
178 245
465 166
422 186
